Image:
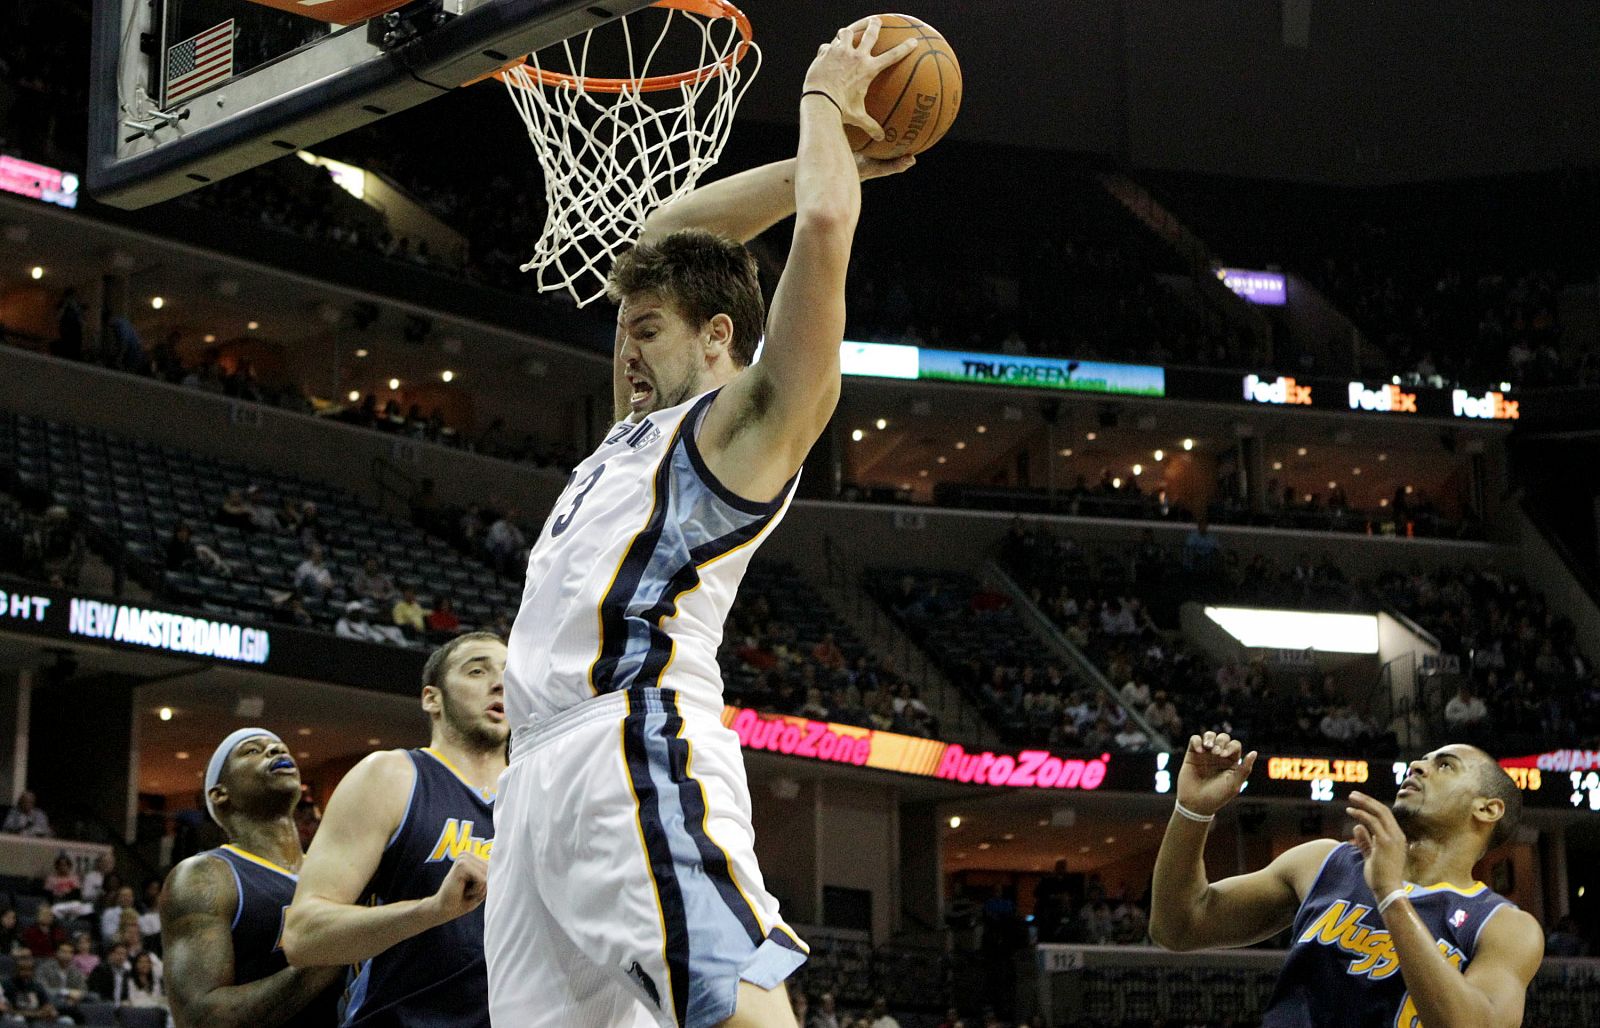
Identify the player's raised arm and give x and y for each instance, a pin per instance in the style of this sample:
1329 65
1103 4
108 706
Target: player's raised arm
1189 912
326 924
762 425
198 906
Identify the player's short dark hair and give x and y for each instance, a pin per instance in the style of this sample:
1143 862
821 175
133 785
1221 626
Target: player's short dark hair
701 274
1494 783
438 664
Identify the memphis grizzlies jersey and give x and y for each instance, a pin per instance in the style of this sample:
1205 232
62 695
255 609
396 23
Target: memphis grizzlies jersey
265 890
634 572
437 979
1342 971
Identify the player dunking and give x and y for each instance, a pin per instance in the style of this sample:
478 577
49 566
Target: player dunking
222 910
394 880
1371 947
624 888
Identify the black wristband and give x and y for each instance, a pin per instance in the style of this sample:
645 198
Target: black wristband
825 96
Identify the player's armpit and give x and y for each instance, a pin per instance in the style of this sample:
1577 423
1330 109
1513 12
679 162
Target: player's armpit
1248 908
1509 951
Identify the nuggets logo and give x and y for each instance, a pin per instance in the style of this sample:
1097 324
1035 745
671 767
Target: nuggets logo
455 839
1340 927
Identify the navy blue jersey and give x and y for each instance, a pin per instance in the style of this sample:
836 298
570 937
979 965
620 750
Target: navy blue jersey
265 890
438 979
1342 970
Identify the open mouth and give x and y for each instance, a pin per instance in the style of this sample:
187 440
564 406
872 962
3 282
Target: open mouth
497 711
642 391
1409 785
281 764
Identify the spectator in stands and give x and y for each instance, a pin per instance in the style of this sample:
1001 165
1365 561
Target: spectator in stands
442 620
69 327
881 1018
1201 551
1465 714
63 883
94 883
43 936
62 547
62 978
84 958
357 623
409 616
311 531
10 934
184 554
143 984
505 543
312 577
235 512
263 518
111 916
1163 716
28 999
288 517
827 653
108 979
374 585
150 913
27 819
826 1015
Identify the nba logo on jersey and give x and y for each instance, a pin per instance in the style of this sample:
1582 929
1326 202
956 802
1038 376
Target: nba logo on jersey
1459 918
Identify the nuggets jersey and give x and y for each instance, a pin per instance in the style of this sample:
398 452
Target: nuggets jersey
1342 971
634 572
265 890
437 979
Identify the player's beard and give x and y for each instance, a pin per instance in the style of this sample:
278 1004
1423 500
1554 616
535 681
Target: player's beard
470 731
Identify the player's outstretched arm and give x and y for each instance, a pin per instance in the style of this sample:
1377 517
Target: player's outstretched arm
745 205
197 910
326 924
1189 912
761 426
1493 989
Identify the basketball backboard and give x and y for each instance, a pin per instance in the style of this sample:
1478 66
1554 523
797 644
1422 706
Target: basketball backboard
186 92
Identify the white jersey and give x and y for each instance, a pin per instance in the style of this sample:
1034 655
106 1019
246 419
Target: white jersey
634 572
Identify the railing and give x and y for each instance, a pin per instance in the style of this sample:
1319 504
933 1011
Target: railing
1071 985
1086 668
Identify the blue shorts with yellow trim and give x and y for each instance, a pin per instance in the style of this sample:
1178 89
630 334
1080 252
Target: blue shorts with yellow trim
623 887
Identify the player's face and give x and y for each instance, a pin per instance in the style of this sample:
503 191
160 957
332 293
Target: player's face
261 776
1440 786
660 357
473 699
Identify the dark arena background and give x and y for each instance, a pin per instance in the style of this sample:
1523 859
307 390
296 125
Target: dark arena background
1230 366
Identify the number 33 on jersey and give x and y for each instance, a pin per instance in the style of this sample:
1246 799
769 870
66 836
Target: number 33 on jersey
632 577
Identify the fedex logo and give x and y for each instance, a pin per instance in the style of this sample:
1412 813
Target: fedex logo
1389 399
1281 391
1491 406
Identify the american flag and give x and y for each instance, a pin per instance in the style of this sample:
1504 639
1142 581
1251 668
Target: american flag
199 63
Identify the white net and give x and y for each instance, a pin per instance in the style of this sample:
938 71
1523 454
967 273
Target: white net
610 158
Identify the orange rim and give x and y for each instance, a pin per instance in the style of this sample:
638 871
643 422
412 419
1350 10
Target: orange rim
655 83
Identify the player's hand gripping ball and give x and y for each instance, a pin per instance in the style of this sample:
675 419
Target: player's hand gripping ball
915 99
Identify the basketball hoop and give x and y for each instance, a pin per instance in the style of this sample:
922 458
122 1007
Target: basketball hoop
615 149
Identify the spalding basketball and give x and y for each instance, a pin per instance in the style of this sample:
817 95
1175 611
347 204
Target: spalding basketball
916 98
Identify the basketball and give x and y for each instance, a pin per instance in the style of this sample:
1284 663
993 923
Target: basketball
915 99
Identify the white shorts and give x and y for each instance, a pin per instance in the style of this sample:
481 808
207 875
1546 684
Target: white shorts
623 886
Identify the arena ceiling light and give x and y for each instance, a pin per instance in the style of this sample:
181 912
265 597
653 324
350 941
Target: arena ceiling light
37 273
1298 629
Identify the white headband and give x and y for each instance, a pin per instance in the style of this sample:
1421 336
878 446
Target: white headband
219 760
